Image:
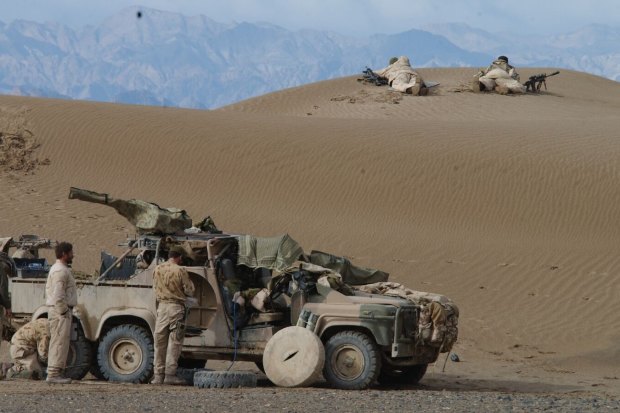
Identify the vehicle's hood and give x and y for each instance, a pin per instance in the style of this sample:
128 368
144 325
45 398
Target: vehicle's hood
365 298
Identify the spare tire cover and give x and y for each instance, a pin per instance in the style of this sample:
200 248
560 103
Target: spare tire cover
294 357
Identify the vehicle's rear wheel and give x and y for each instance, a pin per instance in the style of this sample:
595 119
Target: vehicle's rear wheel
80 357
126 354
402 375
352 361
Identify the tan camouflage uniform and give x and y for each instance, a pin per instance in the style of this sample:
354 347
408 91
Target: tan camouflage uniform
4 296
172 285
402 77
502 75
61 297
29 345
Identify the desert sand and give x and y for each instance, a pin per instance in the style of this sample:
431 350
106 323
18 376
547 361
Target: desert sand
506 204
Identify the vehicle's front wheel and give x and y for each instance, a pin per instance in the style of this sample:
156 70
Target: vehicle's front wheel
352 361
402 375
94 368
126 354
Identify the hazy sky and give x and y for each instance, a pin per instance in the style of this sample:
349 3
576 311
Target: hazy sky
353 17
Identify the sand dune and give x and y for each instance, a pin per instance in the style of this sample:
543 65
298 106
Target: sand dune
507 204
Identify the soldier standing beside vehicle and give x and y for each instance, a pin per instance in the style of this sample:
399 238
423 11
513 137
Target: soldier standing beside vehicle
29 345
172 287
61 297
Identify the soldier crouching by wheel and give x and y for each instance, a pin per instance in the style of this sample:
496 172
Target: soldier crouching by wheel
29 347
172 287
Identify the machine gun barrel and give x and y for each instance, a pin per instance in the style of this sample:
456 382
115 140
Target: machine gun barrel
537 81
147 217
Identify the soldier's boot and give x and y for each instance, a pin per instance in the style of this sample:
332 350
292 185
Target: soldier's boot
5 368
10 374
58 380
423 91
174 380
157 379
414 90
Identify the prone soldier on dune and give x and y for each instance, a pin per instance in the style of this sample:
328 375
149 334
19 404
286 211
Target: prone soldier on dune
500 76
401 76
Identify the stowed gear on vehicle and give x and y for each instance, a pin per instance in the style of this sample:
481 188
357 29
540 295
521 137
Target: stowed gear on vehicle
247 289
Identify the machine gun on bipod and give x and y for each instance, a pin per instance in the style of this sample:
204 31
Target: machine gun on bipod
537 81
369 76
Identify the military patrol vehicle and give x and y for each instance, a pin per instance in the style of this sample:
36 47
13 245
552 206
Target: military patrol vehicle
367 337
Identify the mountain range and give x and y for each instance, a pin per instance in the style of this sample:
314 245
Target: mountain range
167 59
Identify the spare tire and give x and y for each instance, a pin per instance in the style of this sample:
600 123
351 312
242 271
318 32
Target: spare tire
188 374
224 379
294 357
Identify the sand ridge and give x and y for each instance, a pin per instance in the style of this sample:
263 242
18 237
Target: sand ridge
507 204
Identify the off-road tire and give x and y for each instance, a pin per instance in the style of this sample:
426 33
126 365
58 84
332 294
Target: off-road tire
131 340
352 361
95 370
80 357
404 375
224 379
188 374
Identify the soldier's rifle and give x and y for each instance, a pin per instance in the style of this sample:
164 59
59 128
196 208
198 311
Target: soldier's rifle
371 77
537 81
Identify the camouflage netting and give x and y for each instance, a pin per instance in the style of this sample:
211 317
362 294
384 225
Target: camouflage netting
351 274
17 143
276 253
439 316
